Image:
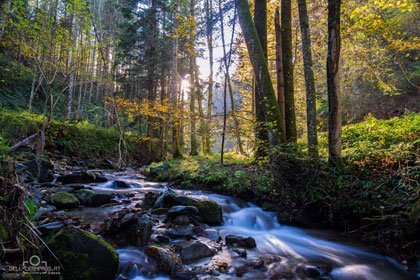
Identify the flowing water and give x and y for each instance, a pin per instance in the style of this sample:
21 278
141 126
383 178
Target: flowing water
245 219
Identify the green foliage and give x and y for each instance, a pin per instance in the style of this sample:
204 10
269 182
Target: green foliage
30 207
15 83
82 140
374 139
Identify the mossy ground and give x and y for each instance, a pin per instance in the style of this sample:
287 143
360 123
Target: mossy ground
80 140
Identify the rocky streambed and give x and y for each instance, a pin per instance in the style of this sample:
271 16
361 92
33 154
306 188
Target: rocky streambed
107 225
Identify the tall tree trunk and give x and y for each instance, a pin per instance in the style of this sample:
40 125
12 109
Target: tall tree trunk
222 147
151 66
309 79
280 76
287 55
176 152
72 70
193 131
260 21
261 72
209 34
333 81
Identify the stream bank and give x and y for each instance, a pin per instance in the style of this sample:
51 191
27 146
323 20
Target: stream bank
162 233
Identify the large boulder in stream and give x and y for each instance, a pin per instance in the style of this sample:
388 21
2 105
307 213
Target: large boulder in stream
131 229
167 260
82 254
239 241
209 211
91 198
193 250
82 178
64 200
179 210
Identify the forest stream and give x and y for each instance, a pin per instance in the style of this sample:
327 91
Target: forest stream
288 251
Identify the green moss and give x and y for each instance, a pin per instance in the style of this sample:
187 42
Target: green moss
210 212
4 235
63 200
82 140
83 254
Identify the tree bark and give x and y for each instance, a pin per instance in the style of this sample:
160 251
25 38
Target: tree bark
209 34
261 72
176 152
280 76
309 79
260 21
287 55
333 81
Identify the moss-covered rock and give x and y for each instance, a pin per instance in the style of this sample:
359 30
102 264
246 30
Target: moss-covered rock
82 254
91 198
64 200
210 212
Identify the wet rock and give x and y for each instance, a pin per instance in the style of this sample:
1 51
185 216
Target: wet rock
167 261
241 252
40 169
166 199
184 274
120 185
239 241
181 231
91 198
82 254
63 200
280 271
41 212
214 272
179 210
156 170
193 250
53 226
82 178
135 230
160 211
163 239
211 234
210 212
60 189
60 213
130 229
313 271
149 200
182 220
76 186
241 270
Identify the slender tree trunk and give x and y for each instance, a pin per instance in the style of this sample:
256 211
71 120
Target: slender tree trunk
309 79
280 76
72 70
287 55
261 72
209 33
333 81
222 148
176 152
193 131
